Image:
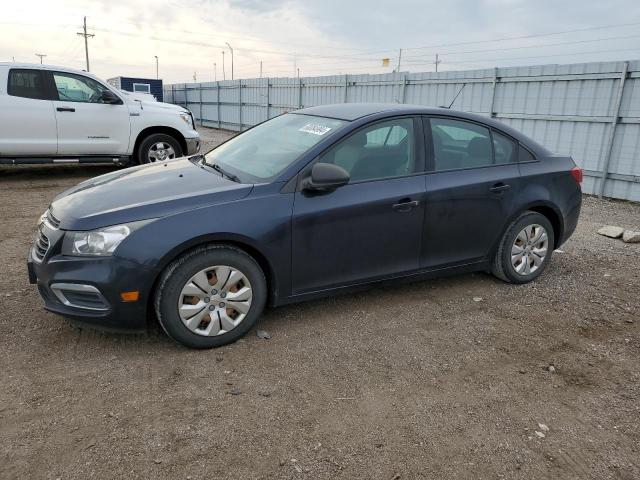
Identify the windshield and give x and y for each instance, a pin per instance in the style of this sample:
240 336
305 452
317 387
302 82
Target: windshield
260 154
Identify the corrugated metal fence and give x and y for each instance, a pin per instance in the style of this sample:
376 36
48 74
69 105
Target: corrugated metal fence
590 111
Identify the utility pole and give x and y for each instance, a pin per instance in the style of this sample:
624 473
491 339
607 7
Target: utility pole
41 55
260 68
438 61
157 77
224 75
215 72
86 42
399 60
231 50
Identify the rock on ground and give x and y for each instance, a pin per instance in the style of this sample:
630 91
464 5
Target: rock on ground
630 236
611 231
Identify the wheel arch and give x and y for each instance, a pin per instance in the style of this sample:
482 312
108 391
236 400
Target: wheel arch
554 216
160 129
549 210
237 241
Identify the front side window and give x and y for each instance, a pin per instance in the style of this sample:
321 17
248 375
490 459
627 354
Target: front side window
263 152
383 150
26 83
77 88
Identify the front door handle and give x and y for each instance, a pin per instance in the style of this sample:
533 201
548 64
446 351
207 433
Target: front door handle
499 187
65 109
405 205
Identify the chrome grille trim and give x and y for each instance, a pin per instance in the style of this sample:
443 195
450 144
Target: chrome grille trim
52 220
41 246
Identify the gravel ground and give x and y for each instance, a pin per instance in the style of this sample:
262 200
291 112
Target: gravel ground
415 381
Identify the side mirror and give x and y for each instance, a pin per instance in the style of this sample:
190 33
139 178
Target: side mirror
326 176
109 97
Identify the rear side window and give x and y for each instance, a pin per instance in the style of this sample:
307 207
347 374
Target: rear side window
459 144
504 149
525 155
26 83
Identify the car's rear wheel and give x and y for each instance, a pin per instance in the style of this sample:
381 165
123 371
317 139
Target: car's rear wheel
158 147
525 249
211 296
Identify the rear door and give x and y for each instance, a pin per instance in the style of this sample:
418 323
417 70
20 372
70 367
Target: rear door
27 119
372 227
472 182
86 126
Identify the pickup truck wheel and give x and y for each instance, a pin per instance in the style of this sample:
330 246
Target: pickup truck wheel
158 147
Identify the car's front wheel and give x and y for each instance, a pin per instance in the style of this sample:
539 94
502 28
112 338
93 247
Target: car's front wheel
210 296
158 147
525 249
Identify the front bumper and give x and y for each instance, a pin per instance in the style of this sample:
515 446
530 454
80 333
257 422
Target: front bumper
109 276
193 145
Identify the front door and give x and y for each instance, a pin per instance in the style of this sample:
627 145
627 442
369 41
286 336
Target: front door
370 228
86 126
470 188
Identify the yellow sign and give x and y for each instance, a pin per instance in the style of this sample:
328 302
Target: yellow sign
385 62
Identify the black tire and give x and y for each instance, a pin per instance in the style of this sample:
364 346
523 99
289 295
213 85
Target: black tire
502 266
148 142
178 273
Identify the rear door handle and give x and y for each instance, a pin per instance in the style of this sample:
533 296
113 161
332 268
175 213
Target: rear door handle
65 109
499 187
405 205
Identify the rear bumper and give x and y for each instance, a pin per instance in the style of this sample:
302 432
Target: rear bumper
571 218
109 277
193 145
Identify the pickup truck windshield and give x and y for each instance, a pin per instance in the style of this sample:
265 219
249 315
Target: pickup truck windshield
265 151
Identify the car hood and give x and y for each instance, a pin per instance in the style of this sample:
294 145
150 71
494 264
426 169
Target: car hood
138 193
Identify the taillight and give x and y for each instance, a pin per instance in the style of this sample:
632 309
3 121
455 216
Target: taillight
576 172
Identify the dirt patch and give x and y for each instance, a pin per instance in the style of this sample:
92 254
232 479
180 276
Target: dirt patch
415 381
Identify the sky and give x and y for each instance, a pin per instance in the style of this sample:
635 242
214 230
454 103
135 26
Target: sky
312 38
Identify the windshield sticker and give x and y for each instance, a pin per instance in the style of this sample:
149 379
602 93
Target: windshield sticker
315 129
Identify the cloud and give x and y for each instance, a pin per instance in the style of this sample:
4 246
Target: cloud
327 37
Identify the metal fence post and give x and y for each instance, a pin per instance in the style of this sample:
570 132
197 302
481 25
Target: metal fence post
218 102
201 117
404 88
493 92
346 88
612 129
299 92
240 103
173 93
268 99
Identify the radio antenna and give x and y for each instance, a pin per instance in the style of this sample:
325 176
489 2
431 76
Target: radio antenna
454 98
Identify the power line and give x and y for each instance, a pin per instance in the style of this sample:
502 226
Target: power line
536 35
542 45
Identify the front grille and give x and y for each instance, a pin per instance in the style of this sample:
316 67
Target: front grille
53 221
41 246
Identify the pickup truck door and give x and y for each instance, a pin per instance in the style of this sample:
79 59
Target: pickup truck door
86 125
27 119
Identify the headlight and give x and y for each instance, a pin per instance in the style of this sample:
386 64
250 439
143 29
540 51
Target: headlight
101 242
186 117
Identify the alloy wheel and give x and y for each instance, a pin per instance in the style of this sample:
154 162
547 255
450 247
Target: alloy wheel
160 151
529 249
215 300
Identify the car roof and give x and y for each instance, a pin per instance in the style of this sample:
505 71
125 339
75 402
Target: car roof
355 111
38 66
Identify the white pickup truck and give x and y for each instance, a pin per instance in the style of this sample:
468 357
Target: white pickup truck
58 115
